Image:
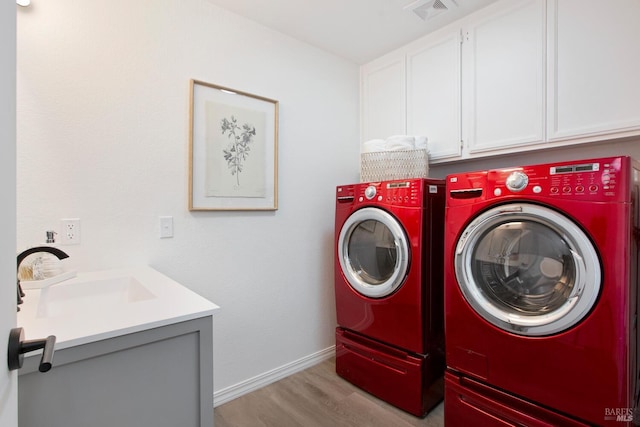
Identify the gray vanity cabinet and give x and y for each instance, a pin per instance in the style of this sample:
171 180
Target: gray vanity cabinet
161 377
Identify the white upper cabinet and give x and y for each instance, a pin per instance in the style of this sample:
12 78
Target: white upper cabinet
594 68
515 76
383 88
503 76
433 93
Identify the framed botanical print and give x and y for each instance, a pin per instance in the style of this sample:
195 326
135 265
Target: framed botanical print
233 149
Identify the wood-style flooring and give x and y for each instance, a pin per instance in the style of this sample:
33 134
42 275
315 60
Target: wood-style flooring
317 397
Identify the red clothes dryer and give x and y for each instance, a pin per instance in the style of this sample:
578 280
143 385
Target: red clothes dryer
389 289
541 295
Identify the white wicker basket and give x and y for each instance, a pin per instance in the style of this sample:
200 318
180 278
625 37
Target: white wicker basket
390 165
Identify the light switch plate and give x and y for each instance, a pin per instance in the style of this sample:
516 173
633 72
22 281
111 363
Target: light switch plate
166 227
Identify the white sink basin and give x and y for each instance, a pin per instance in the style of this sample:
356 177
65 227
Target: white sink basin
92 295
104 304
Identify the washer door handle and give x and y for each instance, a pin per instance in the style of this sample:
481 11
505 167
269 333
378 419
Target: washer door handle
511 209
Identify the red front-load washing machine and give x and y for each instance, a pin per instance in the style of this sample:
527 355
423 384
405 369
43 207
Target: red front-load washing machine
389 290
541 295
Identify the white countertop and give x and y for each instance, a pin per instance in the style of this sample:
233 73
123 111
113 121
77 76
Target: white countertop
104 304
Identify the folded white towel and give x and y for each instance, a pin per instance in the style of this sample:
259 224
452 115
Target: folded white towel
373 146
400 142
421 142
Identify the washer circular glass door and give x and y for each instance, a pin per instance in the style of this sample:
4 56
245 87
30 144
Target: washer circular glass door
373 251
527 269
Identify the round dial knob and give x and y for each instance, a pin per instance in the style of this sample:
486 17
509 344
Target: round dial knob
517 181
370 192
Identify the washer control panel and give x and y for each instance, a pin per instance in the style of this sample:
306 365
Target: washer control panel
591 178
597 179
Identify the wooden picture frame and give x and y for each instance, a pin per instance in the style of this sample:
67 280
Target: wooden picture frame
233 149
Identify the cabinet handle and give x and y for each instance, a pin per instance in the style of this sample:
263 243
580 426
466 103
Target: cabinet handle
18 346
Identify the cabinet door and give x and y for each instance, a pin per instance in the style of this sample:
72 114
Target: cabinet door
503 76
433 94
383 97
593 67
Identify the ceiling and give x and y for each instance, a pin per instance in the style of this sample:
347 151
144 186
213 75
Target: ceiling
357 30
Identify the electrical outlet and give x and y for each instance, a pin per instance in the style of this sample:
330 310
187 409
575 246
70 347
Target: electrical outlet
69 231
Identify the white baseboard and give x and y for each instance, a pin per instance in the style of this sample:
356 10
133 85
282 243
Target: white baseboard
232 392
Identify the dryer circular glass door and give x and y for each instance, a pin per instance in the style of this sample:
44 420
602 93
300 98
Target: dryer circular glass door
527 269
373 251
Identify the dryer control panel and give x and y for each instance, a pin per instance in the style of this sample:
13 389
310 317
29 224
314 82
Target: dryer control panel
408 192
404 193
603 179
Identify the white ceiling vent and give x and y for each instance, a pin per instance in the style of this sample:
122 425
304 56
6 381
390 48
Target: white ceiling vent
428 9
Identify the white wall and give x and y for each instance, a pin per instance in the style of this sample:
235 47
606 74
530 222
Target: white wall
102 133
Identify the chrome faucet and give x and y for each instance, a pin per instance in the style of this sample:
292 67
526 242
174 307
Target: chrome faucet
22 255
